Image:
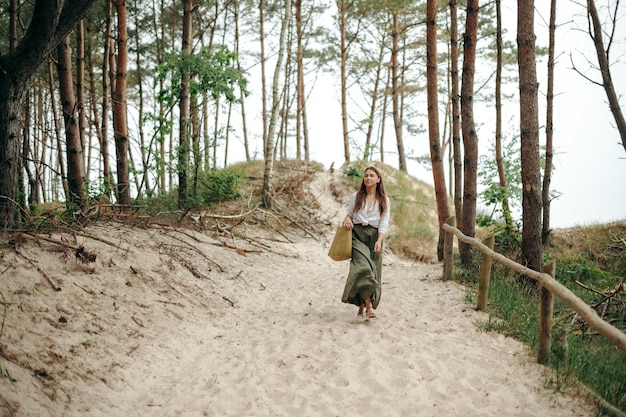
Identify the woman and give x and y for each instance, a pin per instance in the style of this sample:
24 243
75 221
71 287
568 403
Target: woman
368 217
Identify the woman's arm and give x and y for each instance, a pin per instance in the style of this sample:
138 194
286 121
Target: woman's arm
347 221
383 223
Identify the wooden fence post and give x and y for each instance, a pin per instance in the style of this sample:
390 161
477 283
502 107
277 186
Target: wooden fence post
485 275
546 309
448 256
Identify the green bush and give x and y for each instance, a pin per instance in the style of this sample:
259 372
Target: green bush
218 186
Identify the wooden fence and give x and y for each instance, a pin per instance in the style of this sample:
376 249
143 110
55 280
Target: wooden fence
549 288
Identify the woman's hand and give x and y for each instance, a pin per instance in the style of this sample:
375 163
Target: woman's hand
347 223
378 246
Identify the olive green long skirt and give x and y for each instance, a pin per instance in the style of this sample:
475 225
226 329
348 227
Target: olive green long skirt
364 278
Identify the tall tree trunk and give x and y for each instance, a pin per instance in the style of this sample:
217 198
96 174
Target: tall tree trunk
13 17
456 114
506 210
244 127
216 133
145 180
269 150
375 92
529 136
173 158
27 204
263 77
305 127
383 116
107 175
40 192
120 122
74 149
395 91
468 127
227 138
302 134
51 21
206 143
93 107
286 99
344 63
160 50
433 121
80 91
183 147
547 175
300 79
132 167
210 146
57 131
13 25
195 143
605 70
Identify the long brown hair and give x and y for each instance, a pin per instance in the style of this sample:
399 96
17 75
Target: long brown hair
381 195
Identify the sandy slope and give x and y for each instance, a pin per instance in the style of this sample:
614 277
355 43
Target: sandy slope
173 323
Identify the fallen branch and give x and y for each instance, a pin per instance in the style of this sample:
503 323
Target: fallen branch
229 216
51 281
172 303
87 291
232 303
293 220
267 213
11 358
240 251
199 252
103 240
4 314
48 239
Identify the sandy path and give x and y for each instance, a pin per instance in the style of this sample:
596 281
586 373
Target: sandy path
262 335
290 347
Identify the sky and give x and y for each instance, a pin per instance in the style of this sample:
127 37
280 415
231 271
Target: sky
590 161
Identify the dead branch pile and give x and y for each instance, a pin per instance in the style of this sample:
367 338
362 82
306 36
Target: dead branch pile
294 208
610 305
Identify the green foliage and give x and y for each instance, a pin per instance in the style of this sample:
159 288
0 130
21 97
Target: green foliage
211 70
516 305
352 173
213 187
581 270
97 190
598 364
164 203
219 185
509 241
493 194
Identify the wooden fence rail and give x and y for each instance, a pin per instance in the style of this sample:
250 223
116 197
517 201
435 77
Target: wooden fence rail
586 313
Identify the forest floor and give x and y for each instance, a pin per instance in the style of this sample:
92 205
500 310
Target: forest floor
122 319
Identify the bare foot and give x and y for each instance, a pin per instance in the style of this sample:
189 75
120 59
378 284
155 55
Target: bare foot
361 308
371 314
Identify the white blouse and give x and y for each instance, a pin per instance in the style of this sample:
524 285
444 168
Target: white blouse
370 216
